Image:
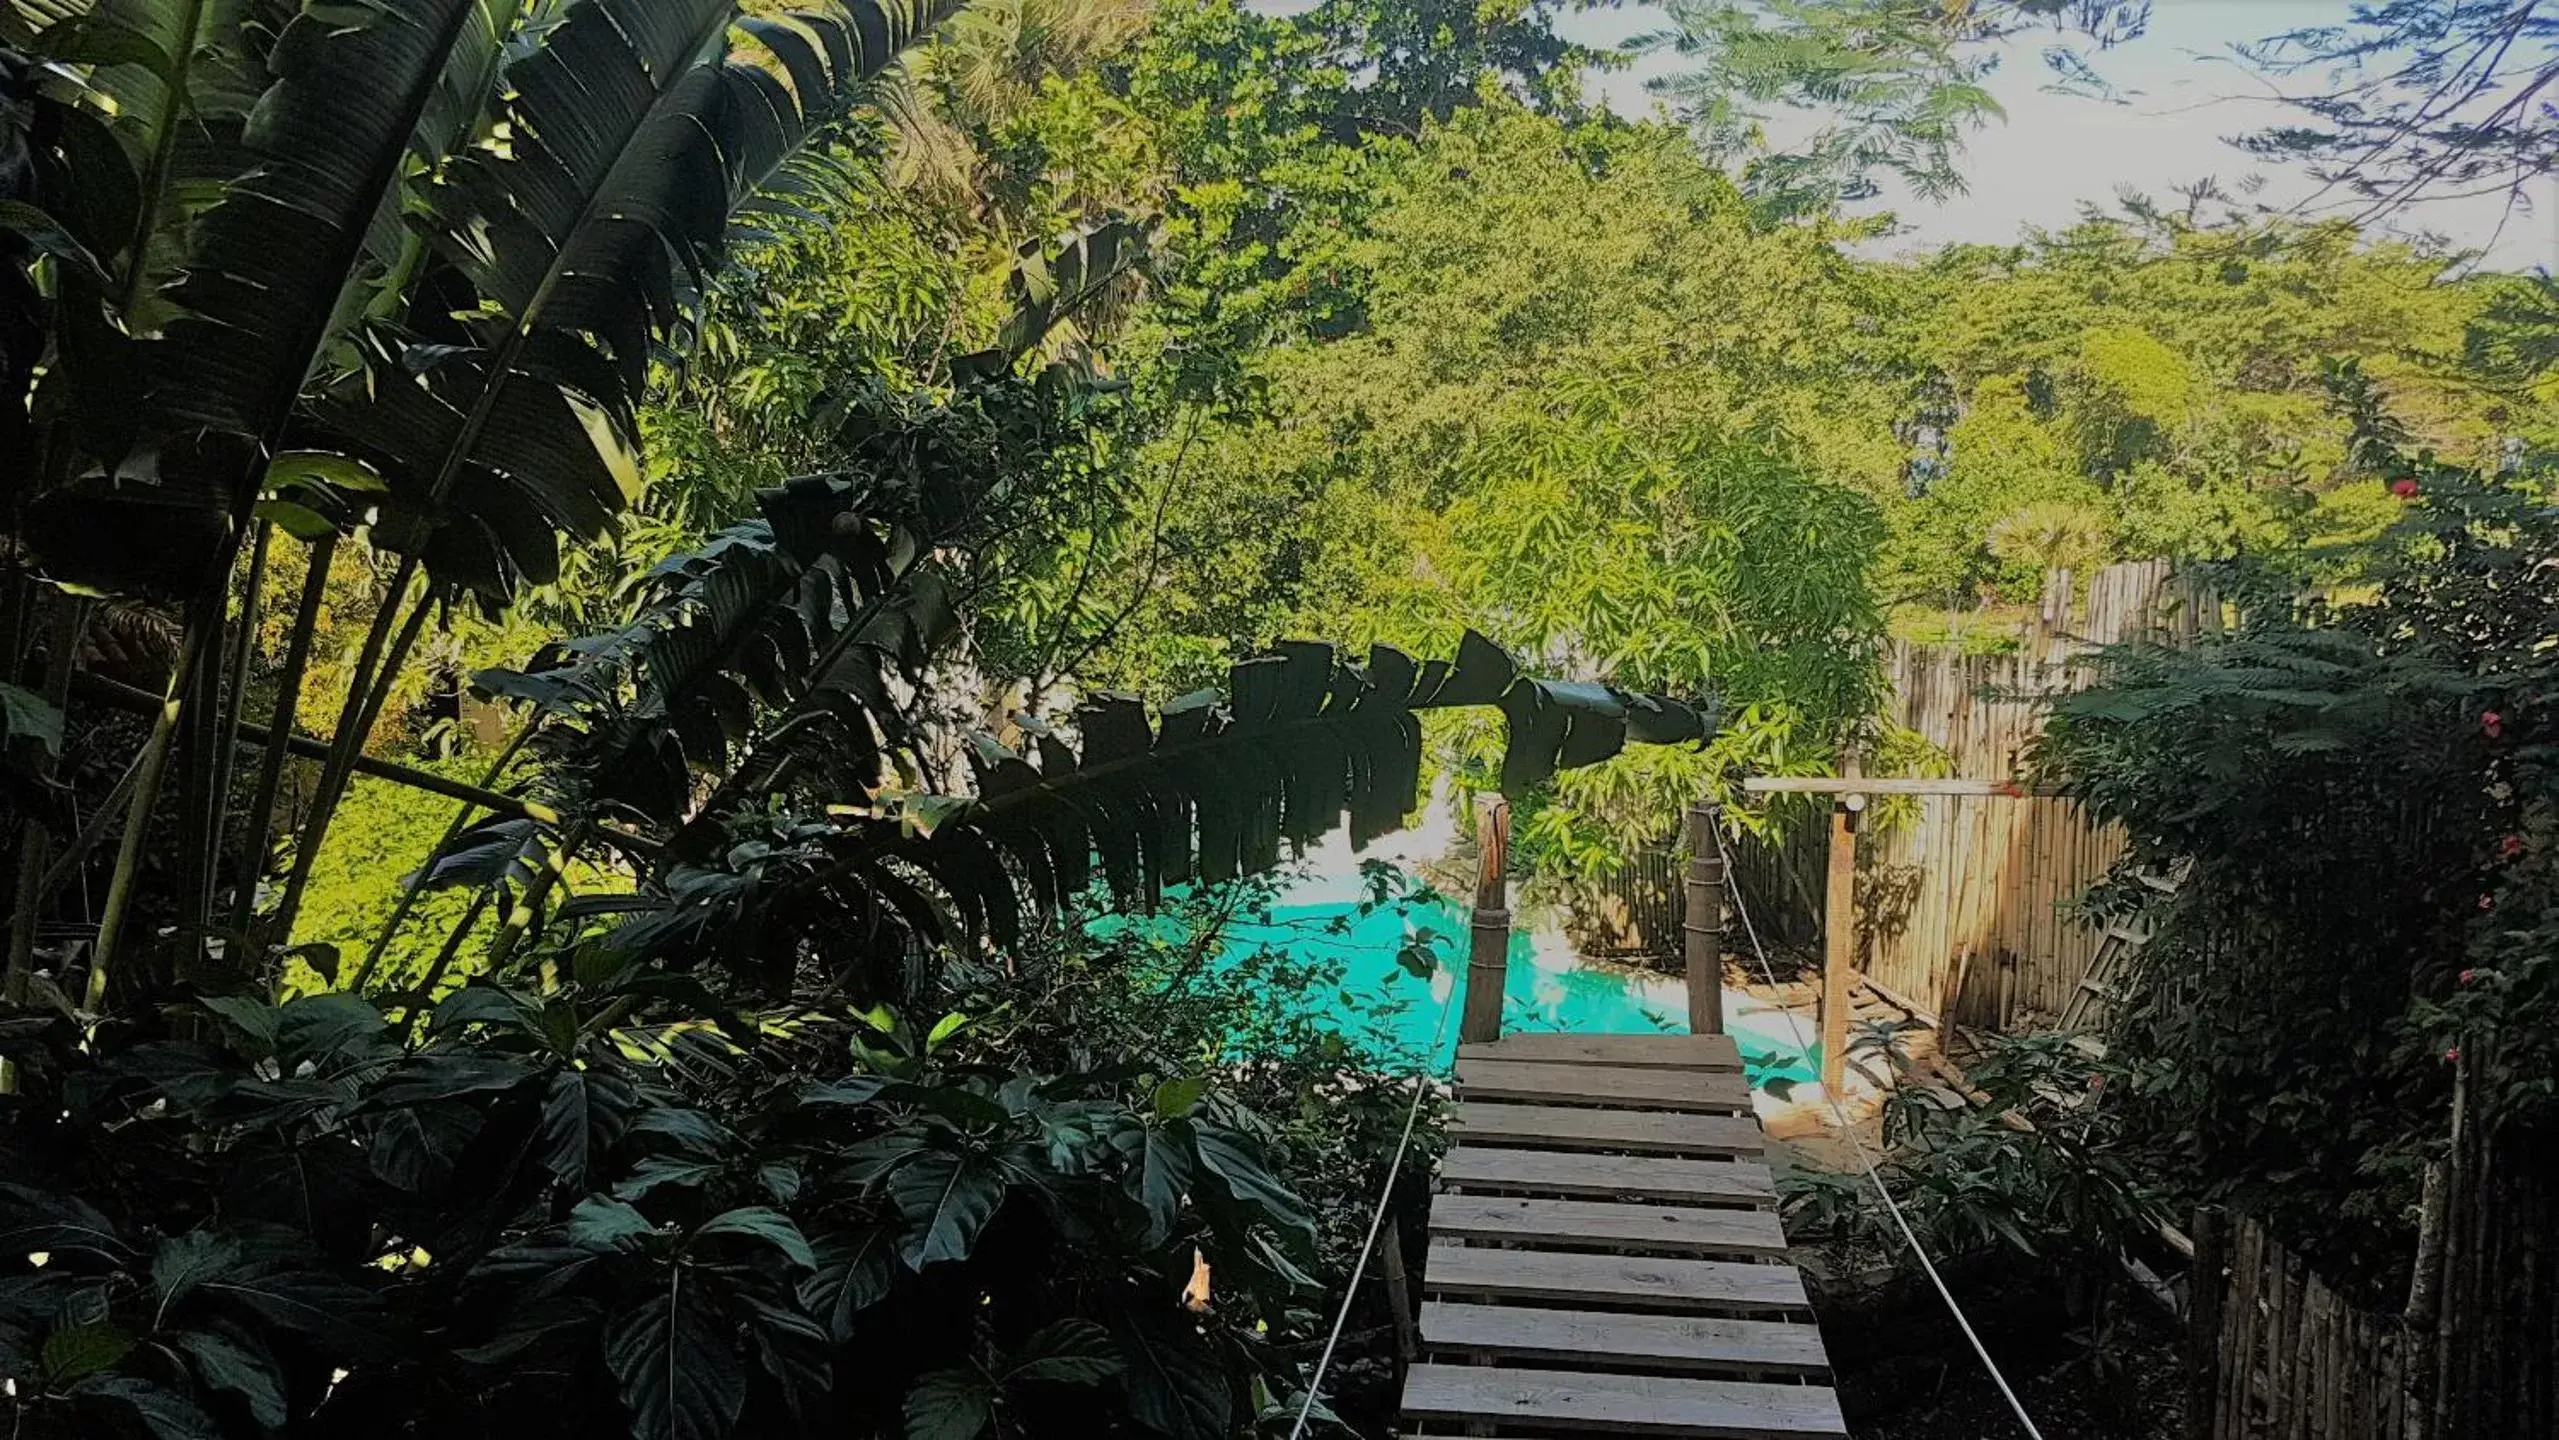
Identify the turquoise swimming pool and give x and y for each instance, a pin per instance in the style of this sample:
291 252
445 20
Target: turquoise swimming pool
1396 1015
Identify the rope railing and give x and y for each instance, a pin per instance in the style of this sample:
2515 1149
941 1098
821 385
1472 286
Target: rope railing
1866 1158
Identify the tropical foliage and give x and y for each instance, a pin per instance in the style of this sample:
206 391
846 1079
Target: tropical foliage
2363 791
818 528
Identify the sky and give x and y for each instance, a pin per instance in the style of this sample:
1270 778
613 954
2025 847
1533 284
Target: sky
2184 94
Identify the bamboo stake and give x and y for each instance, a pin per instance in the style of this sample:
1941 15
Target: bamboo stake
35 839
258 828
356 720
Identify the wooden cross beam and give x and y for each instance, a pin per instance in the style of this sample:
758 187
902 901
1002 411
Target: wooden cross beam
1860 785
1848 796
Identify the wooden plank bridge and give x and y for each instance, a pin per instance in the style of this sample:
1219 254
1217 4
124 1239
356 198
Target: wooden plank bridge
1605 1252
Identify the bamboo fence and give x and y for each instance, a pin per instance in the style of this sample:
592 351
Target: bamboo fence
2275 1353
2290 1359
1965 903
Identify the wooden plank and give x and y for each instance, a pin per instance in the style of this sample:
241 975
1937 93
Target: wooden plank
1681 1342
1632 1087
1675 1052
1660 1229
1625 1281
1549 1400
1632 1177
1555 1128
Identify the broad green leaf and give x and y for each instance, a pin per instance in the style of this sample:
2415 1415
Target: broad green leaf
296 519
763 1225
1222 1153
1160 1177
943 1029
24 715
271 257
680 1171
182 1262
693 1132
443 1075
676 1359
1065 1352
478 1003
1179 1097
77 1351
568 1128
321 1307
949 1405
223 1363
48 236
1175 1385
947 1199
781 1179
159 1412
322 469
55 1220
253 1018
323 1027
601 1224
852 1275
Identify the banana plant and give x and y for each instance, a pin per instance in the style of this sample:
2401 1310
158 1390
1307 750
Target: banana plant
427 250
843 874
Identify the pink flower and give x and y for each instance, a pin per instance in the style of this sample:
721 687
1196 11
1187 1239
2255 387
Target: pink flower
2452 1056
2493 723
2487 902
2469 975
2405 487
2511 846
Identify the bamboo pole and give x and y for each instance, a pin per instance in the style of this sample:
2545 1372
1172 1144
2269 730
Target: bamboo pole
126 697
1702 924
1488 953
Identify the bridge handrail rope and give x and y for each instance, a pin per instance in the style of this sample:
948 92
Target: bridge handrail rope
1377 1219
1805 1046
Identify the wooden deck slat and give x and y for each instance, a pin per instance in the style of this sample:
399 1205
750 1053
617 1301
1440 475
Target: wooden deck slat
1601 1248
1655 1229
1698 1286
1682 1342
1555 1128
1633 1177
1620 1404
1634 1087
1676 1052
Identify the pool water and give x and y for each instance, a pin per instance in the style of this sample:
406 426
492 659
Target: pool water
1397 1016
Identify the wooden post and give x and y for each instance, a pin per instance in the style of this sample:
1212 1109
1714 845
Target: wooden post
1702 923
1839 942
1399 1296
1488 954
2203 1325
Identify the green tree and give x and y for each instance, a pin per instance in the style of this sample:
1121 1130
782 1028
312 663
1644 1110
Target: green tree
1897 86
1591 410
2362 788
2169 375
